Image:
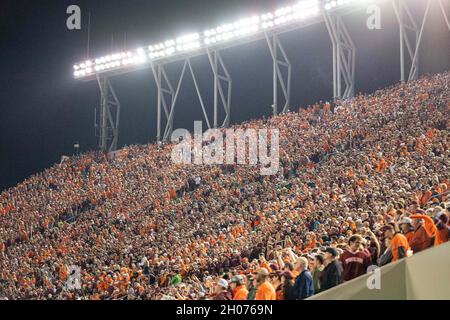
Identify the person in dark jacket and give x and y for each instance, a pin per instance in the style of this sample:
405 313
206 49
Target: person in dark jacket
304 284
288 286
332 275
252 287
317 271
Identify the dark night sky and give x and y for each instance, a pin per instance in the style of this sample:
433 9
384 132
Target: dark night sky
44 111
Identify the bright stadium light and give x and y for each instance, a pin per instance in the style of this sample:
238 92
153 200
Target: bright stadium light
244 28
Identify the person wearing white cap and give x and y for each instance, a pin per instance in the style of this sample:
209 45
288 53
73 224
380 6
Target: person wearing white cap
406 228
221 291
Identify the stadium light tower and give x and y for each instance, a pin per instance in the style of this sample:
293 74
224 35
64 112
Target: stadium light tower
267 26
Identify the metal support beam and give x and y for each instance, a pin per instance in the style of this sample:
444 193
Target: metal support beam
222 93
407 23
444 13
202 104
166 90
284 81
344 56
109 116
168 95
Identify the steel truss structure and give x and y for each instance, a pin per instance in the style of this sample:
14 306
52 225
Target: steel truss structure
109 119
343 55
284 81
408 23
168 94
224 93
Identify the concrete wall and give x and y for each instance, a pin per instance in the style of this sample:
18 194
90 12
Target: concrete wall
425 275
428 274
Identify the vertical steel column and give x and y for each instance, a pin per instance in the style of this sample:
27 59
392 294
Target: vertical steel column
414 73
109 115
104 132
444 13
169 127
344 56
274 53
407 22
202 104
221 75
276 47
161 78
216 93
165 90
158 84
349 61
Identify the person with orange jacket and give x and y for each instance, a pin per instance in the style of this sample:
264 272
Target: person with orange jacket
421 240
238 288
429 225
265 290
381 165
399 244
406 228
425 197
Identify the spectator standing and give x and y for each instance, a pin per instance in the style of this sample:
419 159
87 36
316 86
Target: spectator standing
354 260
398 244
317 271
304 286
221 292
265 289
237 285
252 287
288 286
420 240
406 228
332 275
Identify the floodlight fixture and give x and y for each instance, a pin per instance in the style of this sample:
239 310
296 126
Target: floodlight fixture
189 43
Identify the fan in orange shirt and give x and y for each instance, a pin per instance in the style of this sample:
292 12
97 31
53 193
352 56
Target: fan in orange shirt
2 249
425 197
311 242
381 165
63 272
237 284
265 290
399 244
429 225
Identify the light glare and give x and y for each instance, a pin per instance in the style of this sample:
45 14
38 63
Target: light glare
193 41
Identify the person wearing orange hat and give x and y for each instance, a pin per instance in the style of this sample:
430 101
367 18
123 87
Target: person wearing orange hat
429 225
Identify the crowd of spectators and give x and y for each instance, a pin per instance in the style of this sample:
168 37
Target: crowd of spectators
362 182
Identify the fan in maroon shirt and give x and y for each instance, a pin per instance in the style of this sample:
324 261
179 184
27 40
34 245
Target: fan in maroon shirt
354 261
